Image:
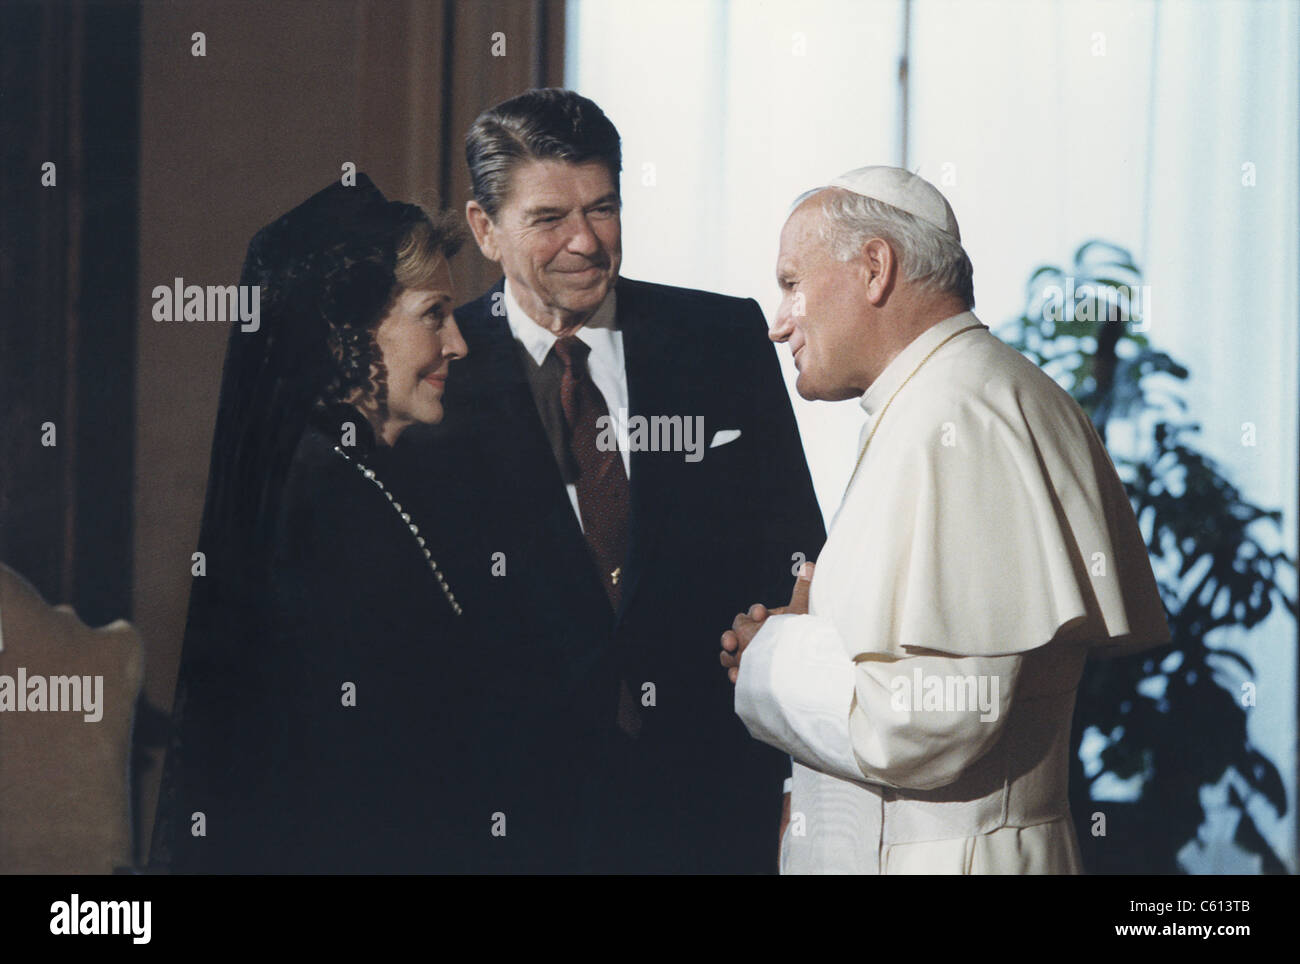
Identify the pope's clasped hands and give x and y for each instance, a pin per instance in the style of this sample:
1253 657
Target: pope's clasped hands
747 624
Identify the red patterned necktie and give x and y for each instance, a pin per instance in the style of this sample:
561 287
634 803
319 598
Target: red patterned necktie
602 481
603 491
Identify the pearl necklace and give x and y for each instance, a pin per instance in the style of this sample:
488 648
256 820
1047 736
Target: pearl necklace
415 530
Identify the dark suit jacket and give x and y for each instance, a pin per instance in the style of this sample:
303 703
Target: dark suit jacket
381 782
289 776
693 792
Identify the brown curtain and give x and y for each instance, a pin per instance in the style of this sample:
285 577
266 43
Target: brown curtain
69 72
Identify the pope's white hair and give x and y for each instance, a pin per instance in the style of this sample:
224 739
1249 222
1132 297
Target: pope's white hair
931 259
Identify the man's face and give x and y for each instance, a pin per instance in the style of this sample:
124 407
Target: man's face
558 239
822 310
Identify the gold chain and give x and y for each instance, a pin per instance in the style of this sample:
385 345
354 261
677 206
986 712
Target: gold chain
885 408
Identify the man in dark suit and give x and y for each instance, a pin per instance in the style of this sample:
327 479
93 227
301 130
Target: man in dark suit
637 476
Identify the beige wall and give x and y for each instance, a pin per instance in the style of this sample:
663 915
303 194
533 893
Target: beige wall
228 141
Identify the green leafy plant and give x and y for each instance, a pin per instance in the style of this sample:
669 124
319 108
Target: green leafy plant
1173 720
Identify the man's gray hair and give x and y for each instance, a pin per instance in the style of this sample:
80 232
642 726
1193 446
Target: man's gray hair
927 257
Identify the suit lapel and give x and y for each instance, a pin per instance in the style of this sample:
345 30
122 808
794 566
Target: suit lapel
492 400
496 405
658 383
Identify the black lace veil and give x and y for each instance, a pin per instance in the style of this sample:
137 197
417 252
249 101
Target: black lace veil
325 277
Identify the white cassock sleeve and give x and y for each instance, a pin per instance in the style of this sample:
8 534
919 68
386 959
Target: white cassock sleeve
800 692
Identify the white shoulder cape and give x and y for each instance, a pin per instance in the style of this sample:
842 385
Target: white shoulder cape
986 517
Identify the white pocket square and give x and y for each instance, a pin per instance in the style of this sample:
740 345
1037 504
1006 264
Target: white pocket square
723 436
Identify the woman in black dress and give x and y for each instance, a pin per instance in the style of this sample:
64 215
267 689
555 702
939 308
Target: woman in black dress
321 722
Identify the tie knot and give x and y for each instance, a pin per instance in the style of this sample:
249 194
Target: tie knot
573 352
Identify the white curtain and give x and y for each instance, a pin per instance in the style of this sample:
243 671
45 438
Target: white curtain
739 107
1170 129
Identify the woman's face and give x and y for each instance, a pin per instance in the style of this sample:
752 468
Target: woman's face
418 339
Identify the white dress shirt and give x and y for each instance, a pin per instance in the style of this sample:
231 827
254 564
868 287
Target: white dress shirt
605 362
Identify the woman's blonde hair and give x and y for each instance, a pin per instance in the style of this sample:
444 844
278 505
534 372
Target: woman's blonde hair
429 239
423 240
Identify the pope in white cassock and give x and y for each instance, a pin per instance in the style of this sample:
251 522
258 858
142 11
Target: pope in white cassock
984 546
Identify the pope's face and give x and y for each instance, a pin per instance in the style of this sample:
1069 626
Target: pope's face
821 313
558 238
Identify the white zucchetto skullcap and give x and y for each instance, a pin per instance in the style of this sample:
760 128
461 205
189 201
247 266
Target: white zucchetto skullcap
905 191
